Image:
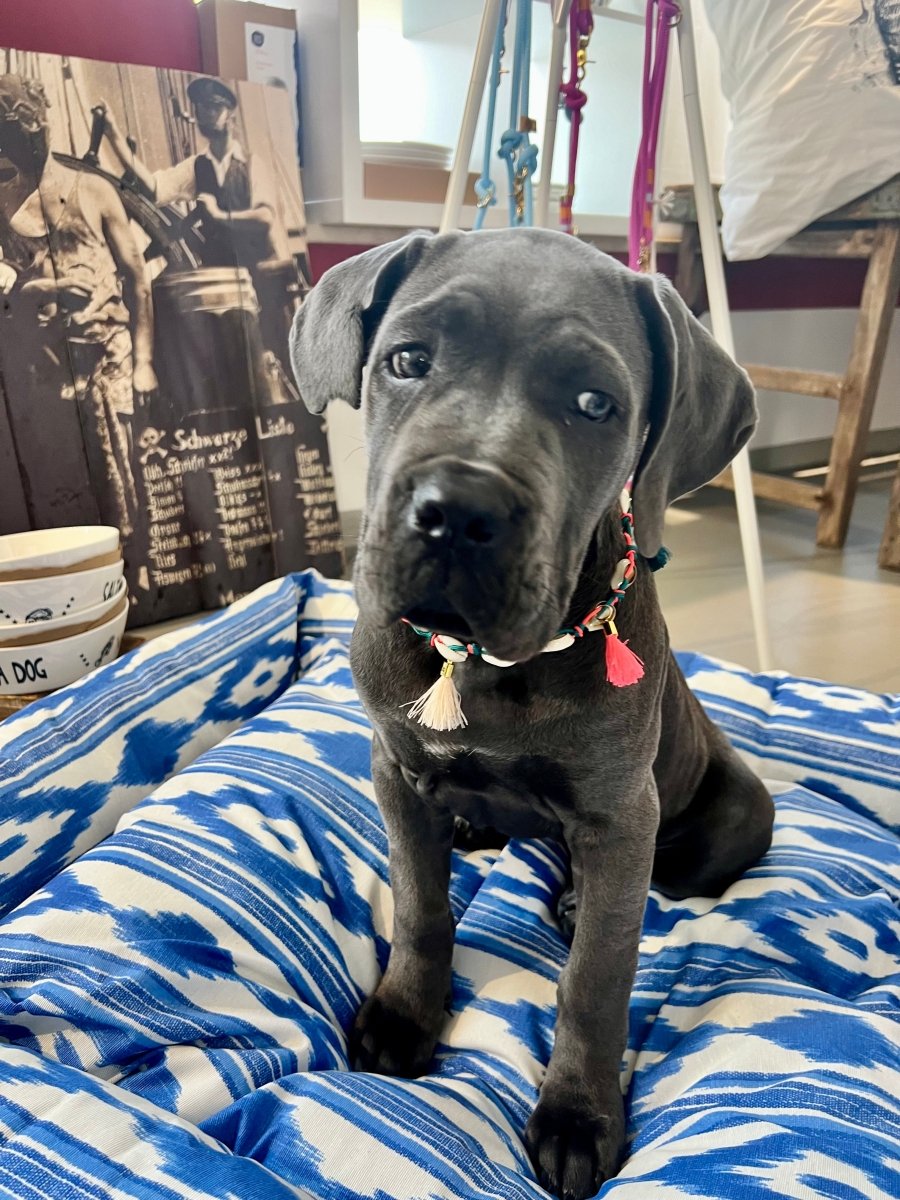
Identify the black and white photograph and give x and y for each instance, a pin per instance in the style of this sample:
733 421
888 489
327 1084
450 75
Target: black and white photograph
152 255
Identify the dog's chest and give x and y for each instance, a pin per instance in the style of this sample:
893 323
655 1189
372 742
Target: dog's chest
526 796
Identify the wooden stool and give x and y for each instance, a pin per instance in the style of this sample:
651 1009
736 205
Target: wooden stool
867 228
889 553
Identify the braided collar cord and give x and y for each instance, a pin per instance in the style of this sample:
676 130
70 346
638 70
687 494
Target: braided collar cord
440 706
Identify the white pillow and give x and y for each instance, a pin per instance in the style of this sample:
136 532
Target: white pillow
814 89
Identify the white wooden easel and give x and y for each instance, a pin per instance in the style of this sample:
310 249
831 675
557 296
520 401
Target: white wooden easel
720 314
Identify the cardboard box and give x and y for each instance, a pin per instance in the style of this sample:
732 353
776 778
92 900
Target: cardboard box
251 41
426 185
229 49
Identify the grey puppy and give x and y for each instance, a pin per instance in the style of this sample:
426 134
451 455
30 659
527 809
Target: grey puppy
514 381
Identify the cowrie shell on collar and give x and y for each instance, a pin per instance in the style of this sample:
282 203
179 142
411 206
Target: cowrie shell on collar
619 574
563 642
496 662
447 647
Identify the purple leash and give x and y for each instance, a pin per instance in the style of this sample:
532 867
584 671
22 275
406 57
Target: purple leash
662 15
581 26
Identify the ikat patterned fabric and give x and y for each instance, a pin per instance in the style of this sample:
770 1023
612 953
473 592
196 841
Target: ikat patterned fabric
193 877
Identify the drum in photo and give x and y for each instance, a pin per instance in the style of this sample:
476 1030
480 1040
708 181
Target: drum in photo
209 345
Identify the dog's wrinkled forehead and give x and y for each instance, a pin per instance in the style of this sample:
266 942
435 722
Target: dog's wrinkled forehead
515 276
509 300
697 405
456 307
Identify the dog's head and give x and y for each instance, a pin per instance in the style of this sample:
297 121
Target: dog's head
514 380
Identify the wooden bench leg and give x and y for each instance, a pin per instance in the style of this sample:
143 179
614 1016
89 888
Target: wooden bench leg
860 385
889 554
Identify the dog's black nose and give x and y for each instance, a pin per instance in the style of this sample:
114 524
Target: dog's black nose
438 518
458 505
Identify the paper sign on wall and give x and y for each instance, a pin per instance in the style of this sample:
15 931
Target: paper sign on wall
270 59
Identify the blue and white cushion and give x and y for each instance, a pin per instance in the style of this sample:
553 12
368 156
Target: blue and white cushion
194 877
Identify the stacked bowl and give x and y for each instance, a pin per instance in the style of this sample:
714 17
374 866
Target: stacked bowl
63 606
408 154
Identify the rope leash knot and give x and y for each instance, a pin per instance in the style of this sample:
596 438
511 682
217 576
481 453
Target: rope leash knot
515 146
574 98
485 193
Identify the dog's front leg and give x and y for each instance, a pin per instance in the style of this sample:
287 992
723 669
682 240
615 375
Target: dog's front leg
576 1134
398 1026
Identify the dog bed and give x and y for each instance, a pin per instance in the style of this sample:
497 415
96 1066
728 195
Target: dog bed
193 879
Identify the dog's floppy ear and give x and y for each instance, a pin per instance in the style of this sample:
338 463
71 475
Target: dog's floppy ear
702 409
335 323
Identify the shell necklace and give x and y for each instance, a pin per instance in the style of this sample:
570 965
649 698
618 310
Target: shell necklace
440 706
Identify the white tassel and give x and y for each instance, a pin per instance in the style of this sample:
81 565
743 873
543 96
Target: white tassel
440 707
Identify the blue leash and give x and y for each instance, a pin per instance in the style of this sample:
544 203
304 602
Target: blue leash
485 188
515 145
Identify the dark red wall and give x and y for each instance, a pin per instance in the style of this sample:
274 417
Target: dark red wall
769 283
156 33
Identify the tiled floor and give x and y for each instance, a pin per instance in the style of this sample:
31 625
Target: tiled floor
832 614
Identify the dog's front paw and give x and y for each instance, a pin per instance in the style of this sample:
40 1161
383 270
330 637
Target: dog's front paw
386 1040
467 837
574 1151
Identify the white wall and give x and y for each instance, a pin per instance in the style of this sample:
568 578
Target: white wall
344 426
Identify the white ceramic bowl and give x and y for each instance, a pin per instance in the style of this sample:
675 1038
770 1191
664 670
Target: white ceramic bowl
51 551
23 601
45 666
57 627
408 154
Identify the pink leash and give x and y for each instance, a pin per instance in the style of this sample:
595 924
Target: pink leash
662 15
581 26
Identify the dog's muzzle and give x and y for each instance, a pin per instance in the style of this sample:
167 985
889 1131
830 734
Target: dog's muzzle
464 530
457 509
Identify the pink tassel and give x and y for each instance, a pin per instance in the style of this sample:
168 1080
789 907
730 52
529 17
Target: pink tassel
623 667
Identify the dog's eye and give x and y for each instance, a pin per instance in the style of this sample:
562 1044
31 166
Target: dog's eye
596 405
412 362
